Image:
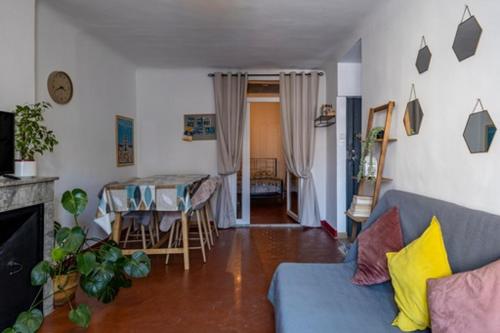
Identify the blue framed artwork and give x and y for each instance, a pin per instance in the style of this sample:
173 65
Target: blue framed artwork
199 127
124 141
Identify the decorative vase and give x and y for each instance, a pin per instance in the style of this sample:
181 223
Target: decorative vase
65 287
25 168
370 168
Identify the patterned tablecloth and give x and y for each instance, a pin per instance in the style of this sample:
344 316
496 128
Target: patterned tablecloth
164 193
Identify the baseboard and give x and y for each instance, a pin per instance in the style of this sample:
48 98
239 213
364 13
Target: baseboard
329 229
342 235
282 225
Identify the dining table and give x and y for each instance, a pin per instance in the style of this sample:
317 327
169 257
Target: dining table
160 193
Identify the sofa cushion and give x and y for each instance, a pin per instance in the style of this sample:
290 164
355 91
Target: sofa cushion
410 268
466 302
382 237
321 298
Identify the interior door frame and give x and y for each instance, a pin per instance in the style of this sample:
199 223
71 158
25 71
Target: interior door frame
289 211
354 120
245 158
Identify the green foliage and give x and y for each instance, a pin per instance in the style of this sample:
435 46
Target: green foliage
75 201
71 240
58 254
32 137
26 322
86 262
103 271
80 316
138 265
41 273
366 151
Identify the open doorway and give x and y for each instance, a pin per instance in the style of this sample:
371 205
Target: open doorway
266 192
268 203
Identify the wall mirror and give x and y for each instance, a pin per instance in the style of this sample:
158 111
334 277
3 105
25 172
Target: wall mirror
413 115
424 57
479 131
467 36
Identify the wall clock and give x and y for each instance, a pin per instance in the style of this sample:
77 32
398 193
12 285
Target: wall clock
60 87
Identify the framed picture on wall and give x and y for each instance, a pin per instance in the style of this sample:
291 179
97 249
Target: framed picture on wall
124 141
199 127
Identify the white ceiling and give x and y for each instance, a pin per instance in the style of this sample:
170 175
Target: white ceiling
220 33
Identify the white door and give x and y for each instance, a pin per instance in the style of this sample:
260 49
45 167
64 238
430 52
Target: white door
293 195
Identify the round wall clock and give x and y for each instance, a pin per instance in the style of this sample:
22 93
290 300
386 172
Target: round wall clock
60 87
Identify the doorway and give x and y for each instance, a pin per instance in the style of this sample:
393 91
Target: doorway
266 192
267 165
353 153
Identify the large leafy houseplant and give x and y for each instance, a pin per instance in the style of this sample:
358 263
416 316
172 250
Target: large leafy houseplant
103 270
32 137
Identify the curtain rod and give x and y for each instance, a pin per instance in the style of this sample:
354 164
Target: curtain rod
267 74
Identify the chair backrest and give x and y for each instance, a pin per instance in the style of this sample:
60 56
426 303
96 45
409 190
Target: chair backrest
204 192
472 238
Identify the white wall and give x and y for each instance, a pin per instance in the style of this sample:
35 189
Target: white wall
17 58
436 162
104 86
164 96
349 79
331 147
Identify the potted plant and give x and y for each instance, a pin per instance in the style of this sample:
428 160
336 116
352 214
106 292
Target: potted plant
32 137
368 167
99 271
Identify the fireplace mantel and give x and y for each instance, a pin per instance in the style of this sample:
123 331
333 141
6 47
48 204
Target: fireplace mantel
28 192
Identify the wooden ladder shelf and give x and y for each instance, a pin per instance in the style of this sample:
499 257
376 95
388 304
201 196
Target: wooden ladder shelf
384 142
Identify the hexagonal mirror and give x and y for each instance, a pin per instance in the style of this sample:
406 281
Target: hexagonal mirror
467 38
413 117
423 59
479 132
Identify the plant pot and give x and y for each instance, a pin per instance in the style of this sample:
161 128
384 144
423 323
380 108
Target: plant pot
25 168
65 287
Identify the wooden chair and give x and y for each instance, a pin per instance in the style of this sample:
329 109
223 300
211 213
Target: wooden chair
203 222
137 232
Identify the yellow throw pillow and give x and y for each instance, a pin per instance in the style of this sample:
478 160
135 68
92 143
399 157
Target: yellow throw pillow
424 258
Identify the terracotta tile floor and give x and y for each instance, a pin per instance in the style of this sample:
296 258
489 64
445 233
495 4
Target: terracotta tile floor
269 211
228 294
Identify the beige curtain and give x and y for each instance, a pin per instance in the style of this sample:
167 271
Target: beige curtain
230 108
299 102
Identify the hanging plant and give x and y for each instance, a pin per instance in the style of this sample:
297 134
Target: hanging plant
368 173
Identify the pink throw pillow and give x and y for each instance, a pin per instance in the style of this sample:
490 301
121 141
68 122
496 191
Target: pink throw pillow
466 302
383 236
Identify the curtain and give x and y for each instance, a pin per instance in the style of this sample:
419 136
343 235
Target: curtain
299 102
230 108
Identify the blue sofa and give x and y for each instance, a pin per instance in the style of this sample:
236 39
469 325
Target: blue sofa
321 298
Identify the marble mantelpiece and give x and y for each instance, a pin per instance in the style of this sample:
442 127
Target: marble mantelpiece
28 192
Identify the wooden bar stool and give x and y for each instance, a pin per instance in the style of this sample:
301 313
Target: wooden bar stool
203 228
137 232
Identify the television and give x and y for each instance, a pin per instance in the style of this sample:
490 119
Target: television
7 142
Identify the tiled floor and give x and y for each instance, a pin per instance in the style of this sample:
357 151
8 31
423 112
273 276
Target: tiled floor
269 211
227 294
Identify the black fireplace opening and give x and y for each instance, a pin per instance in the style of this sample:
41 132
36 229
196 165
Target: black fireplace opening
21 248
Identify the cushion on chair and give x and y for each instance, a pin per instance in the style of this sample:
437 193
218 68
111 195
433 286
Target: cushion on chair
204 192
382 237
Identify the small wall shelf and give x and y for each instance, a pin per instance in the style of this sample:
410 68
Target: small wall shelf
324 121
